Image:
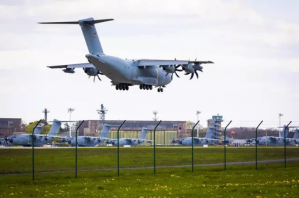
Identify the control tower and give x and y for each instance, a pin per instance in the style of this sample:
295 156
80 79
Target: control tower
214 126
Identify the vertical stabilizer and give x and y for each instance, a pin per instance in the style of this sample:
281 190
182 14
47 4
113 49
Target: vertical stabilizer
284 129
143 133
105 131
38 130
89 31
55 127
296 134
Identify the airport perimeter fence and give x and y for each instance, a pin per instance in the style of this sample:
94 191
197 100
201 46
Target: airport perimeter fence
230 153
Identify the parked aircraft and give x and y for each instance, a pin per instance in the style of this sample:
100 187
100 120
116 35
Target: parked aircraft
130 141
211 138
272 140
39 139
125 73
88 141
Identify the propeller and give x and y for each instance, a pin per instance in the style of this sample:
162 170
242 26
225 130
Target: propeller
171 69
93 72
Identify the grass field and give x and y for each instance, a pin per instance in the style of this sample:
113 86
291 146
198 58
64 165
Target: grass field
63 159
270 180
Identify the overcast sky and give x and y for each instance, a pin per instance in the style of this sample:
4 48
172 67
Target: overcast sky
254 44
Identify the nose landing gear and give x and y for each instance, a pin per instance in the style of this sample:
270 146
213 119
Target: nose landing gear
160 89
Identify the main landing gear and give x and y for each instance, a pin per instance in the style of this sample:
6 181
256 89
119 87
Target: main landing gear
160 89
122 87
146 87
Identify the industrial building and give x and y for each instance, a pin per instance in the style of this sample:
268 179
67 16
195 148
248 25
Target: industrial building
10 126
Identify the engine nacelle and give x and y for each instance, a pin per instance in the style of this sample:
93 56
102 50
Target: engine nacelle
91 71
188 68
69 70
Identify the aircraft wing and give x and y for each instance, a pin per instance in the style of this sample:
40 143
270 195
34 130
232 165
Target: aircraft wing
73 66
149 62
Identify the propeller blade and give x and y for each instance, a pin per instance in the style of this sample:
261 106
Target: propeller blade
94 78
192 76
177 66
196 74
178 70
171 76
187 73
99 77
166 74
88 76
176 74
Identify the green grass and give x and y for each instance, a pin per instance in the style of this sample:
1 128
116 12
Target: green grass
63 159
269 181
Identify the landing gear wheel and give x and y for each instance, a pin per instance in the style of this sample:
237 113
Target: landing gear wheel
140 86
161 89
147 87
158 89
150 87
127 87
116 87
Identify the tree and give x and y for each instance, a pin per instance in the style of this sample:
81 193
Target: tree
45 129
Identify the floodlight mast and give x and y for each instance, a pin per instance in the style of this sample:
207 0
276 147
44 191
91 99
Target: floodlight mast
197 114
70 111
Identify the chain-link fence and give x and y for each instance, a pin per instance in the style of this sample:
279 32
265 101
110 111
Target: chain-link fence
226 146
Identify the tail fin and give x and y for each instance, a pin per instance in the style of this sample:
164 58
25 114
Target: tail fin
105 131
284 129
38 130
296 134
89 32
143 133
55 127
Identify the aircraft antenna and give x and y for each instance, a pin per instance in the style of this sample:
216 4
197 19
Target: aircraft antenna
46 111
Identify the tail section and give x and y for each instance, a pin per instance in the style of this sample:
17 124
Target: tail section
55 127
296 134
284 130
105 131
89 32
38 130
143 134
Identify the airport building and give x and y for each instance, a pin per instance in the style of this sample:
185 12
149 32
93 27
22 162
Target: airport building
10 126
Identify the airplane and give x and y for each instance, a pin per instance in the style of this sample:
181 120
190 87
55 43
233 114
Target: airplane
125 73
274 141
40 139
88 141
130 141
211 138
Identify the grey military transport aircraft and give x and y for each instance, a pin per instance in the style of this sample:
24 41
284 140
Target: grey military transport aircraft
125 73
88 141
130 141
39 139
274 141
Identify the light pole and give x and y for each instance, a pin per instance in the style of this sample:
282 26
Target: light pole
279 117
197 114
70 111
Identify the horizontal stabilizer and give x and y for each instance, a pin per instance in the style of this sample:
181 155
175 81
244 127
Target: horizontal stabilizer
91 22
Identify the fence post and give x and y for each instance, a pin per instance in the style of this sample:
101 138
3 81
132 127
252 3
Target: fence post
192 145
285 144
155 146
225 144
118 147
256 144
76 152
32 140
